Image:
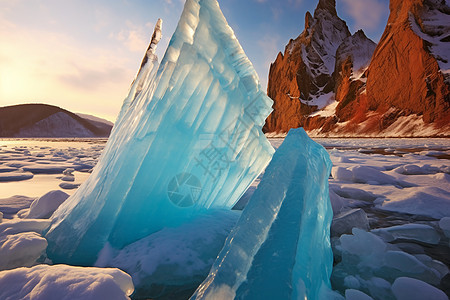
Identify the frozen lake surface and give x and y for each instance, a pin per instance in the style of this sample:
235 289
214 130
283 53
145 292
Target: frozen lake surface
392 195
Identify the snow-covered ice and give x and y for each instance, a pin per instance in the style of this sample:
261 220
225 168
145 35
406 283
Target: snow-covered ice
21 249
43 207
65 282
418 162
21 243
416 232
412 289
349 219
444 224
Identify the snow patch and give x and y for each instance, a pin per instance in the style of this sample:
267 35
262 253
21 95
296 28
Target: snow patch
65 282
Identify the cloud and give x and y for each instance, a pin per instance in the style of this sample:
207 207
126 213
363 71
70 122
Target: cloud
295 3
90 79
40 65
135 38
367 14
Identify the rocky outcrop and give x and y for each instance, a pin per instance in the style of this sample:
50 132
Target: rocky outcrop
352 60
404 72
299 78
334 84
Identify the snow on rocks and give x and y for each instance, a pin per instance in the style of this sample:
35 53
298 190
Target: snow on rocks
65 282
412 289
43 207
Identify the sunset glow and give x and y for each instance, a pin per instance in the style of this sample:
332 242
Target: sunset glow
82 56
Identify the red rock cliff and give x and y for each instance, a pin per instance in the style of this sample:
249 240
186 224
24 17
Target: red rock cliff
404 73
400 90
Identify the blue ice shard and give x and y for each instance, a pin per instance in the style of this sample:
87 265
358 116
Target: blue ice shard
188 138
280 247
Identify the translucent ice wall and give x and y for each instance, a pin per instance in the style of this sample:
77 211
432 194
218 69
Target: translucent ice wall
188 138
280 247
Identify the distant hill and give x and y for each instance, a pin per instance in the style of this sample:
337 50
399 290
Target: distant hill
42 120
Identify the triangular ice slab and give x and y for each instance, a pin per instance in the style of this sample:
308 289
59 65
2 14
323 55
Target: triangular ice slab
190 139
280 247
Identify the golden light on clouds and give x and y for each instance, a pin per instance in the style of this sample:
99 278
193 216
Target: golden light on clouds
40 66
83 55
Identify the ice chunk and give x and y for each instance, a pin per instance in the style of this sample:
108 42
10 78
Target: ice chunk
12 205
366 174
68 178
21 243
337 202
69 186
17 226
352 193
65 282
189 140
15 176
346 221
351 294
416 232
368 247
381 263
68 171
425 201
444 223
280 247
173 261
342 174
43 207
417 170
20 250
405 288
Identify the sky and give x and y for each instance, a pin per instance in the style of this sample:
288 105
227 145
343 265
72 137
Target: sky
82 55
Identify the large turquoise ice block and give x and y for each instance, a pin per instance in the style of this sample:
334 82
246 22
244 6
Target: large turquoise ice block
280 247
188 138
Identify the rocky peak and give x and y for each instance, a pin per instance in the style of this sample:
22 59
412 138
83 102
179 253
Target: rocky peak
308 20
401 83
360 50
328 5
304 74
411 51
